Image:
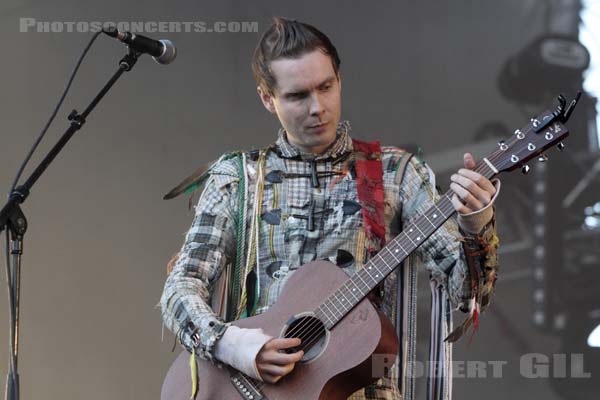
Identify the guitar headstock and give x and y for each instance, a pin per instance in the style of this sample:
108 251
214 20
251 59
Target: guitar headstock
541 133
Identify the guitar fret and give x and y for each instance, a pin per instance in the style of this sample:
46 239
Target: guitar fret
408 237
386 264
354 289
401 248
373 280
325 304
393 255
438 209
324 314
491 168
388 267
421 232
358 275
373 277
428 220
331 301
380 273
342 293
339 304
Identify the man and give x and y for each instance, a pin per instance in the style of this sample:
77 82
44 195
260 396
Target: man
264 214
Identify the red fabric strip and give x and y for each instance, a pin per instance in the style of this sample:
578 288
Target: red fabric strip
369 183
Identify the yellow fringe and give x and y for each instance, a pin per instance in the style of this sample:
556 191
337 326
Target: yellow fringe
254 226
194 371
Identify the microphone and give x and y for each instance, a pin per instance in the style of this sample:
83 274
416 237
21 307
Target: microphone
162 51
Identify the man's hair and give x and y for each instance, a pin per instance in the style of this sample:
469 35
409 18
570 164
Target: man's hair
288 39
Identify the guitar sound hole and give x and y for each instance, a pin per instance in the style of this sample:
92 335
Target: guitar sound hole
311 331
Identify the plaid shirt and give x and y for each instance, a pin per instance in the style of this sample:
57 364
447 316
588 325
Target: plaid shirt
285 242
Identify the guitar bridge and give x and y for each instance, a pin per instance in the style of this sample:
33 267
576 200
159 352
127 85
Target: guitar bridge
245 387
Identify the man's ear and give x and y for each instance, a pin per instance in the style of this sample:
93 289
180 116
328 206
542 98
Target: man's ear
266 99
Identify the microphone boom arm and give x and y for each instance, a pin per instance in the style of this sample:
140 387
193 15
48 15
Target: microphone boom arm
13 219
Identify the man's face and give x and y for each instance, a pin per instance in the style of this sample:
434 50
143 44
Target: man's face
307 100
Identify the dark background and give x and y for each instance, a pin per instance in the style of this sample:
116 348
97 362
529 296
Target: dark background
423 73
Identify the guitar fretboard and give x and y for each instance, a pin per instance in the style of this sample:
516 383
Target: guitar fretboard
363 281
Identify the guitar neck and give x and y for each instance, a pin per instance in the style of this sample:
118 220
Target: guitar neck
363 281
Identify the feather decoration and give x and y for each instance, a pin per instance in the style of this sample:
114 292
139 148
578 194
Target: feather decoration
197 178
472 319
191 183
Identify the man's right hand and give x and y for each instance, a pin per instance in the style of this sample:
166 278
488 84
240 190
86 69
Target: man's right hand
273 363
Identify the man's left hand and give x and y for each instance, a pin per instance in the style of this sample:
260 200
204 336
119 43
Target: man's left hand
472 191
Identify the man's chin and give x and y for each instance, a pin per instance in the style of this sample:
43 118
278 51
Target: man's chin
321 146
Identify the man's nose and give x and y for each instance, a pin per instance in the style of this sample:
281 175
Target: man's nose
316 104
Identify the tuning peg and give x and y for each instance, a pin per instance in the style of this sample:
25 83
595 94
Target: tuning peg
502 145
525 169
543 158
560 146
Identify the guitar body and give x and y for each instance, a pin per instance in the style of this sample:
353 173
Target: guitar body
353 354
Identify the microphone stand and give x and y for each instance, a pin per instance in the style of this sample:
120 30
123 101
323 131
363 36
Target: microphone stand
13 220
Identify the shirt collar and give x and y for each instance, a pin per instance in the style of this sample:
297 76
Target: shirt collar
341 145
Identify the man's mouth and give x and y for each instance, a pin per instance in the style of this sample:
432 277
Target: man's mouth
318 125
